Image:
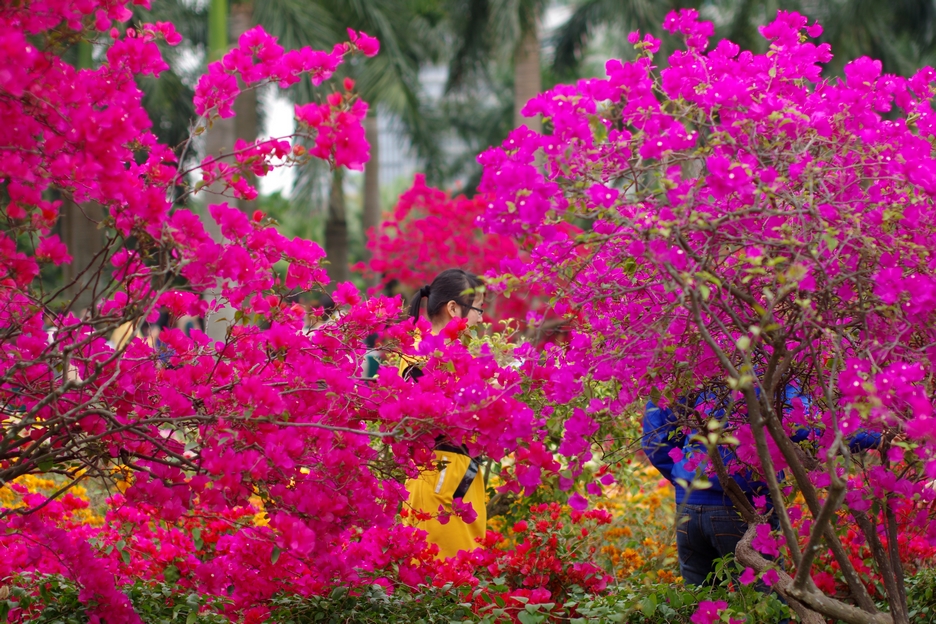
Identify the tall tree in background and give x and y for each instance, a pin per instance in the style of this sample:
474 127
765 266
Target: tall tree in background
900 33
168 102
388 82
221 135
225 25
168 97
588 17
247 117
81 233
508 32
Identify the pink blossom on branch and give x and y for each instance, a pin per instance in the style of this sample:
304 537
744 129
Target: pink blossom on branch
756 249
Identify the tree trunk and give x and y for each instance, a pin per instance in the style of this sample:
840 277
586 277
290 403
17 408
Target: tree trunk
80 233
218 138
527 77
336 231
371 215
245 106
85 241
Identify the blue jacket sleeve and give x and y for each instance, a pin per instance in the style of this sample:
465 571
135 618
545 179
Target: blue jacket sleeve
864 440
660 436
861 441
800 433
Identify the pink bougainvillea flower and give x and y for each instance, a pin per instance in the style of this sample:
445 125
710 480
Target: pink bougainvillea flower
708 612
51 249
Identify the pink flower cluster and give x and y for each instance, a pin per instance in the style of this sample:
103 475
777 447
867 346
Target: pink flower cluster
751 225
744 219
337 123
431 230
203 429
258 59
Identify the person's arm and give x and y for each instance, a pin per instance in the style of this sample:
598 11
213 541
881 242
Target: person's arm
660 437
801 432
861 441
864 440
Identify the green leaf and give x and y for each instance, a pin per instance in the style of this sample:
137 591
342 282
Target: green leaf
528 618
276 554
171 574
192 617
648 605
197 539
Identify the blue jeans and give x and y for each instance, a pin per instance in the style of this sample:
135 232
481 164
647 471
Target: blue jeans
705 533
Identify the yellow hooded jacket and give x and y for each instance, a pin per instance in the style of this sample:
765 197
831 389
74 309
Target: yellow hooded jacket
438 487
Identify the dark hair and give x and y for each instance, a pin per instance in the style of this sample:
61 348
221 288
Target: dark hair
449 285
162 322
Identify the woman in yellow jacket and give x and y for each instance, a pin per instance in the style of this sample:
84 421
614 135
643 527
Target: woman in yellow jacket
454 293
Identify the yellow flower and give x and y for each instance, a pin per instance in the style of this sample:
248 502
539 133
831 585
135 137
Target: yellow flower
260 518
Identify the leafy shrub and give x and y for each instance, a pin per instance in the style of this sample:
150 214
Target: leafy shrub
54 599
921 595
656 603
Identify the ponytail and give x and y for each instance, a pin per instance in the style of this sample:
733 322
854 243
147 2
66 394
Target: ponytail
416 303
449 285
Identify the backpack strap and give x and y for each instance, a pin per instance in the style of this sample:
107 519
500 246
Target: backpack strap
473 468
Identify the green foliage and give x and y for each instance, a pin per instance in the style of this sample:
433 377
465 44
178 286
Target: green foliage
372 604
292 222
54 600
672 603
661 603
921 596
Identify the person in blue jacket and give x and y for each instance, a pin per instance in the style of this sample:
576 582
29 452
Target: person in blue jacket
709 527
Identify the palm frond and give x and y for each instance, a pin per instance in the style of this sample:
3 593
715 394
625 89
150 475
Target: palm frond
572 38
168 101
469 24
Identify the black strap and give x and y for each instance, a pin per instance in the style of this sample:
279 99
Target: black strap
445 447
412 373
474 466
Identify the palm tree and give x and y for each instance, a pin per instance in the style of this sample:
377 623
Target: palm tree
589 17
168 98
505 32
388 82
